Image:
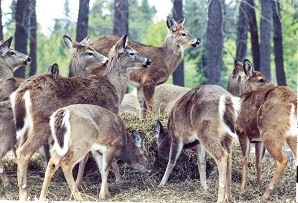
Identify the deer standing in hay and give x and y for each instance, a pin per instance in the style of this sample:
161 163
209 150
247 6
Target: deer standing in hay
268 117
205 116
166 59
8 130
32 109
104 134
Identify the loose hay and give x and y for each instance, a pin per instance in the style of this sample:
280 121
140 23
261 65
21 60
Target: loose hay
183 185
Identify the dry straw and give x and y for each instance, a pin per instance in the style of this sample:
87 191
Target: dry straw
183 185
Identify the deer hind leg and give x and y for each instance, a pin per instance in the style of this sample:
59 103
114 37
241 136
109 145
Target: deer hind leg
3 175
222 164
44 154
245 148
51 169
175 151
201 161
280 159
292 142
260 150
82 166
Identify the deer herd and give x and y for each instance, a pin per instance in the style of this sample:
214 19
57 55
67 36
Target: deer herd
82 114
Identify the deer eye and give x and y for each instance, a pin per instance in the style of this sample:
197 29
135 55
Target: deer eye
131 54
183 34
12 53
261 80
90 54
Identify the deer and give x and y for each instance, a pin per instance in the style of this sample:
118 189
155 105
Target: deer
32 110
130 105
166 95
8 130
10 59
104 135
261 101
166 59
203 117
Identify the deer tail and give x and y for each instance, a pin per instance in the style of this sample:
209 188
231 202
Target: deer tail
60 128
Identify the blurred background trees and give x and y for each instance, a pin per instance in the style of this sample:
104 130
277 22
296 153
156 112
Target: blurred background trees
264 31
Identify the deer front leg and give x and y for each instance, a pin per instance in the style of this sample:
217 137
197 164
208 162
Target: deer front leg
3 175
260 150
107 159
148 91
82 166
201 161
245 148
175 151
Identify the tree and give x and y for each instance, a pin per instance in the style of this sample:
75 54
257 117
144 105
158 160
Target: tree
120 17
214 41
1 24
278 47
254 37
21 33
33 38
265 36
82 23
178 74
241 42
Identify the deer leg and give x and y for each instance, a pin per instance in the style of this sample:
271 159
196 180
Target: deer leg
148 91
116 171
280 159
245 148
82 166
260 150
201 161
44 154
3 175
292 142
175 151
51 169
222 175
67 171
140 95
107 159
228 176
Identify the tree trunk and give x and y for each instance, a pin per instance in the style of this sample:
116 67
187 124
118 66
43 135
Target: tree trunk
120 17
278 48
241 42
82 24
1 25
214 41
265 35
178 74
33 37
21 33
254 37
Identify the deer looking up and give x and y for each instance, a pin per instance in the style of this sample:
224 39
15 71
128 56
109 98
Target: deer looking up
10 59
203 117
166 59
104 134
32 110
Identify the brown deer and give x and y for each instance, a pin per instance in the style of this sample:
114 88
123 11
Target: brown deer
205 117
104 134
8 131
32 109
10 59
258 122
166 58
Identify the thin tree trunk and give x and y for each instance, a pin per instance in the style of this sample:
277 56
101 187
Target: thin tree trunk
120 17
265 36
1 25
33 38
21 33
241 42
278 48
254 37
178 74
82 24
214 41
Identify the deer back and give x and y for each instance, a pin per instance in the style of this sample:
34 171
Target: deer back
10 59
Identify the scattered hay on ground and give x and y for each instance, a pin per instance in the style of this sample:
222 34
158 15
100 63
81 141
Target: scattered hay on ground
183 185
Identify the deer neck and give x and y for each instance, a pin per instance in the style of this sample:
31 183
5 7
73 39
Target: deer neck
173 53
5 72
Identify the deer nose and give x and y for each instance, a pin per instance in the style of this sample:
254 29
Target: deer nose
197 43
148 62
29 59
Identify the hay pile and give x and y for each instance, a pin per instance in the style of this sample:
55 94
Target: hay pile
183 185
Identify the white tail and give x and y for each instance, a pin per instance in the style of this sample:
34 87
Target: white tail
205 116
104 135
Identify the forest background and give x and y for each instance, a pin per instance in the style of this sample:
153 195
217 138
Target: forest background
264 31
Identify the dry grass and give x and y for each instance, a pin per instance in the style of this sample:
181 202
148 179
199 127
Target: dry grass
183 185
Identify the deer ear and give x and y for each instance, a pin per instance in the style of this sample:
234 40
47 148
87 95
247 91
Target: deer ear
85 41
159 129
138 139
248 68
54 69
121 44
68 42
172 25
5 45
181 21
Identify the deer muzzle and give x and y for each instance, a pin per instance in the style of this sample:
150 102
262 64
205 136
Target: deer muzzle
197 43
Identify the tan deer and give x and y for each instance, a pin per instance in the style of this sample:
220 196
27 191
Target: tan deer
10 59
8 130
104 134
130 105
166 58
268 116
205 117
32 109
